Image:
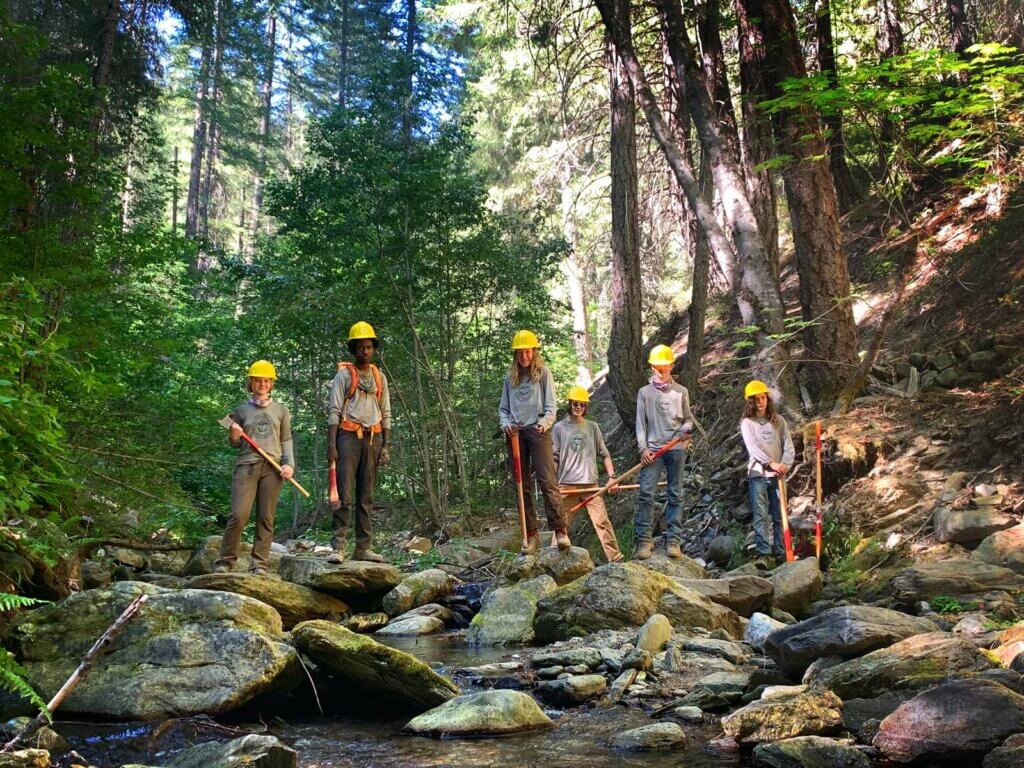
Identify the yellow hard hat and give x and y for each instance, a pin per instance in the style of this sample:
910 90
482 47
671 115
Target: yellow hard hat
361 330
579 394
755 388
525 340
262 369
661 355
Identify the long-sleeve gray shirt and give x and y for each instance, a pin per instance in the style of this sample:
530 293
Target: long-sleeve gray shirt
530 403
576 448
270 426
765 444
362 407
662 415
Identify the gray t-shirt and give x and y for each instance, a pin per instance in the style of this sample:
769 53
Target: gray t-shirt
662 415
270 426
576 448
765 443
530 403
362 407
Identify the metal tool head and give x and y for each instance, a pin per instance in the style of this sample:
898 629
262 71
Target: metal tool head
226 422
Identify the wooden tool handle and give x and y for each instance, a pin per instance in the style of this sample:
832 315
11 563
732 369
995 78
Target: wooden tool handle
274 464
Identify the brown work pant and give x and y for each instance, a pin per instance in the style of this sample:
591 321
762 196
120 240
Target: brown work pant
357 471
535 452
259 482
598 517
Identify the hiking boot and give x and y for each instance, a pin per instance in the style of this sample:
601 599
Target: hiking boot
764 562
562 540
222 568
367 555
672 550
532 544
257 571
643 550
337 556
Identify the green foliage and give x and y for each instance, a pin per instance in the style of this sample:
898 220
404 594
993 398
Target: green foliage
947 605
12 674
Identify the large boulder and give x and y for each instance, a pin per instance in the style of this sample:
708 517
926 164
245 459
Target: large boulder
962 576
810 752
962 719
412 625
759 628
418 589
186 652
848 631
252 751
742 593
507 613
295 603
802 713
797 585
573 690
25 758
1009 755
563 567
968 526
677 567
1005 548
654 634
376 671
656 737
208 550
486 713
621 595
911 664
358 583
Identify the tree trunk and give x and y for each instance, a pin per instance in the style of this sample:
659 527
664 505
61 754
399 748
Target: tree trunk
890 43
266 93
101 75
757 293
574 273
830 336
626 365
343 66
206 193
841 177
199 127
756 139
961 35
174 194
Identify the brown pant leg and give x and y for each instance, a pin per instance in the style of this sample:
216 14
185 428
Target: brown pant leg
267 493
366 477
547 478
570 501
244 482
603 526
349 453
524 454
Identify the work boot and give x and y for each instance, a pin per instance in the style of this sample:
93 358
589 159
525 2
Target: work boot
643 550
672 550
367 555
258 571
764 562
562 540
337 556
532 544
222 568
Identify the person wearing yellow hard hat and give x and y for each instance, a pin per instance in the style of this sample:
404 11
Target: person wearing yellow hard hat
770 455
662 414
358 433
577 443
528 409
254 479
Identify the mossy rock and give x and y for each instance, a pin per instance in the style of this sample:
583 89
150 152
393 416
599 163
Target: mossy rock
376 671
418 589
507 613
487 713
358 583
294 602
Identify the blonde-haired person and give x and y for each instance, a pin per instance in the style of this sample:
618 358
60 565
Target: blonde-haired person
254 479
528 409
770 451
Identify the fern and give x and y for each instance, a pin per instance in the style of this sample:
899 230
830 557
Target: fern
9 602
12 678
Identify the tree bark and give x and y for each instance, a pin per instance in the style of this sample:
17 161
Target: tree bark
343 56
961 35
625 359
101 75
842 178
757 142
830 335
199 126
266 94
574 274
213 130
890 43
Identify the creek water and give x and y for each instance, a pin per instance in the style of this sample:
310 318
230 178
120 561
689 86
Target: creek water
364 740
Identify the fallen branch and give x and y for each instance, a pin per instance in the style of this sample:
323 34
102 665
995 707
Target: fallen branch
76 677
144 546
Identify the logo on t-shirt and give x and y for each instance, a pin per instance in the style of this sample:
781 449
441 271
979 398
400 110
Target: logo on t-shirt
524 391
260 426
576 441
666 405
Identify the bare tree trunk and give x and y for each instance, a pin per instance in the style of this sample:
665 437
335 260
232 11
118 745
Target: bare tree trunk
199 129
890 43
841 177
574 274
961 35
756 139
101 75
206 192
174 194
343 68
625 359
266 93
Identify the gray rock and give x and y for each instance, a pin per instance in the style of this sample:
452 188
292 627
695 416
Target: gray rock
1009 755
418 589
412 626
654 634
507 613
987 361
252 751
968 526
486 713
725 682
797 585
954 578
1005 548
358 583
25 758
688 714
567 657
730 651
186 652
947 378
848 631
203 556
818 666
678 568
565 567
810 752
809 713
720 549
95 575
650 738
758 630
573 690
960 718
742 593
943 360
295 603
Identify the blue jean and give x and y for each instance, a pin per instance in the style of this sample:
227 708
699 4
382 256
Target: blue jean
672 461
764 503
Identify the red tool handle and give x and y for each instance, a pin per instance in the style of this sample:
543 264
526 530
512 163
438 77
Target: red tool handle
332 484
819 522
787 536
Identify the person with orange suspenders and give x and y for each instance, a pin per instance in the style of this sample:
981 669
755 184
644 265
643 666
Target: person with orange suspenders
359 428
